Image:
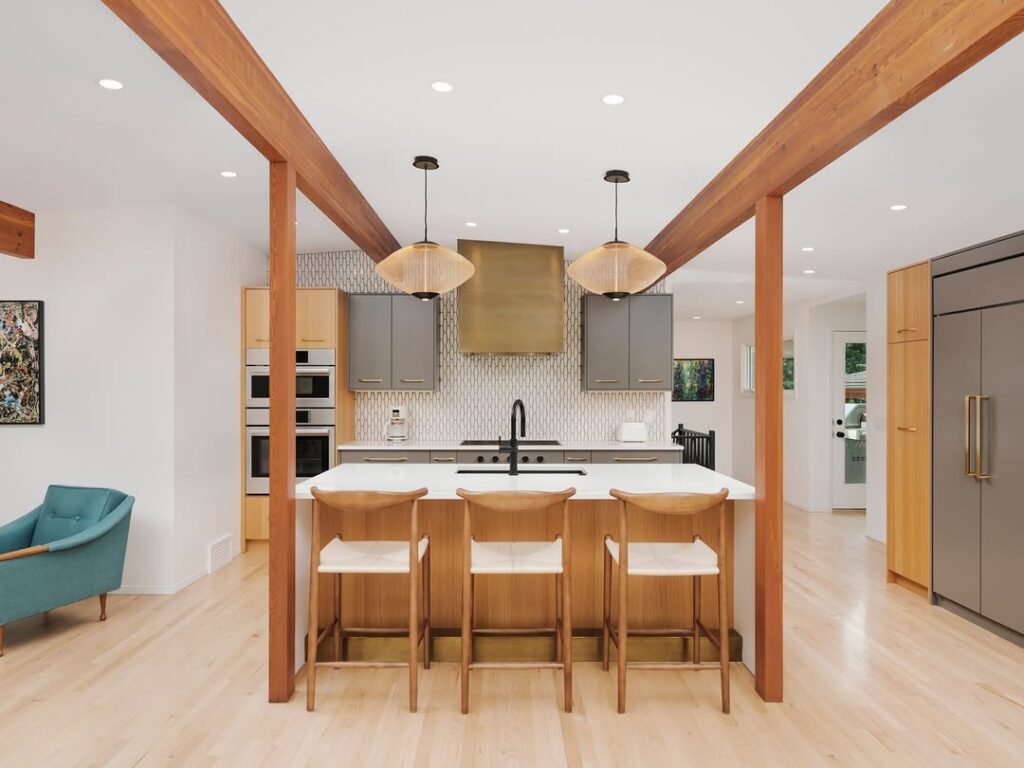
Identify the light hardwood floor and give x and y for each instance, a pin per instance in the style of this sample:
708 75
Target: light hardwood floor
874 677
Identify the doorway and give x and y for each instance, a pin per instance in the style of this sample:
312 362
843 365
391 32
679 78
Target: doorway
849 419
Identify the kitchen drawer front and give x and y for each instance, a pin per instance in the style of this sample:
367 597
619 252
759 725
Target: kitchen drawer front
525 457
576 457
444 457
987 286
385 457
636 457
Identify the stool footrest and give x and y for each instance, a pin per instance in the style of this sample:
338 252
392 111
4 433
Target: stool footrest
516 665
672 665
516 631
373 664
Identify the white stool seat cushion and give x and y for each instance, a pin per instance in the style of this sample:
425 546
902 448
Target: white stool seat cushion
341 556
668 558
516 556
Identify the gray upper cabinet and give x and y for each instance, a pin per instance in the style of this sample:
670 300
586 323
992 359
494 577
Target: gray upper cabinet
627 344
605 343
650 342
393 342
369 342
414 342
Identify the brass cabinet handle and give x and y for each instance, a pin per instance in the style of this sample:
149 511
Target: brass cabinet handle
906 330
386 459
320 340
649 381
413 381
907 429
258 339
608 381
634 458
441 458
575 458
967 436
978 459
371 381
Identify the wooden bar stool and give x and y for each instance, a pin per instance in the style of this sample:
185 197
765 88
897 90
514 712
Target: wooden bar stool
338 557
518 558
694 559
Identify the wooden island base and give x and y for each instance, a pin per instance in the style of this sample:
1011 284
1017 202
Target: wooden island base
524 601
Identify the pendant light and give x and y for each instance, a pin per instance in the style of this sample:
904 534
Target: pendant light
425 269
616 269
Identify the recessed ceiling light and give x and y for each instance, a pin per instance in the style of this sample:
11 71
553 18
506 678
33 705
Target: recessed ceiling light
739 301
111 85
441 86
807 248
898 207
563 231
470 223
696 317
228 174
613 99
808 271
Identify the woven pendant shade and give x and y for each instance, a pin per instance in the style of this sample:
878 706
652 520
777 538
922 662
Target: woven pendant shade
425 270
616 269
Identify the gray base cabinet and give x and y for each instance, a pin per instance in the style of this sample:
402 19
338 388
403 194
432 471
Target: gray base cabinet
627 344
393 342
978 420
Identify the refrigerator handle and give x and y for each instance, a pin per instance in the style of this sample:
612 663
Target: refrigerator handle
978 453
967 437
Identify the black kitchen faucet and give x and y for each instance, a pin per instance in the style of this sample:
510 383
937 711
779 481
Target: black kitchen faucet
512 446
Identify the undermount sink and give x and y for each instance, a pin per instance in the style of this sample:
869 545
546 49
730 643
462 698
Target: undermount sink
521 442
521 472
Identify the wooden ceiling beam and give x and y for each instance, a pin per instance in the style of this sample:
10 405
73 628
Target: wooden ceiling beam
201 42
908 51
17 231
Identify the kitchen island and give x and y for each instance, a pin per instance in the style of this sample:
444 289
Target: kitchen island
381 601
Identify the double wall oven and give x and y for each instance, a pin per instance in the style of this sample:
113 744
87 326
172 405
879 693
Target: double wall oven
314 416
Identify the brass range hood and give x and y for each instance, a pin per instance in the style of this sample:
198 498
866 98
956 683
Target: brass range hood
515 302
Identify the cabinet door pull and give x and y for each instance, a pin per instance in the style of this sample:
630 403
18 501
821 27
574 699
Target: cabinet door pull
575 458
413 381
906 330
389 459
319 340
967 436
907 429
442 458
371 381
634 458
979 473
608 381
258 339
649 381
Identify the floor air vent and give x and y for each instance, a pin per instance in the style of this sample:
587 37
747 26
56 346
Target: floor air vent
219 553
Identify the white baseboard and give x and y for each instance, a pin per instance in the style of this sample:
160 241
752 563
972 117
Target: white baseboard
161 589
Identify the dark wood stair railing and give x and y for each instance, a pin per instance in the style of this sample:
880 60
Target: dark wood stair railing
698 447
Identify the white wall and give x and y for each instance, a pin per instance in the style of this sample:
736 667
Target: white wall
807 437
877 336
709 339
117 412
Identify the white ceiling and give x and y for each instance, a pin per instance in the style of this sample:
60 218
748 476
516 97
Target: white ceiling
523 139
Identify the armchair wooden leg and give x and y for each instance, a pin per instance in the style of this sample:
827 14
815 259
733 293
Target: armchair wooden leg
103 607
605 634
1 639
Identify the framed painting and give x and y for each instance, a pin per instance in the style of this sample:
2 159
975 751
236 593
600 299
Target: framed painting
693 379
21 362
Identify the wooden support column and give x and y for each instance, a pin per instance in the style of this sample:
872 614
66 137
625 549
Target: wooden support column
768 447
282 431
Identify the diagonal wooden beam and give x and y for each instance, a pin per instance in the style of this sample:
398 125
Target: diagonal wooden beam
908 51
17 231
199 40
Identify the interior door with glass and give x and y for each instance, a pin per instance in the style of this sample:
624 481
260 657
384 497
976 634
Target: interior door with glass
849 419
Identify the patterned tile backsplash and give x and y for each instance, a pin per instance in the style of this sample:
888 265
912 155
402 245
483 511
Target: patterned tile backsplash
475 395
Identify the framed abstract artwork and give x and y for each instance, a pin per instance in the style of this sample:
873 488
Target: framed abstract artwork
21 362
693 379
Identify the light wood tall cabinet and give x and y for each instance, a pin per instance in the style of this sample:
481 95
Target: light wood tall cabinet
909 427
321 322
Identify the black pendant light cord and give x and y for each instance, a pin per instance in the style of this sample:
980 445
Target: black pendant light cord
424 204
616 212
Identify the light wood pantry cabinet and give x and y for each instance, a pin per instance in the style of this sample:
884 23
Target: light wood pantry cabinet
627 344
908 533
316 318
393 342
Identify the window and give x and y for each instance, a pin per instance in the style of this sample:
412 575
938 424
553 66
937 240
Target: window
788 367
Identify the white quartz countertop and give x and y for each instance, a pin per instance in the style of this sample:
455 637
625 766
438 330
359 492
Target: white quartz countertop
456 445
442 480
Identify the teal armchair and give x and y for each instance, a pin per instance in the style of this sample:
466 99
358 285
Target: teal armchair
69 548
